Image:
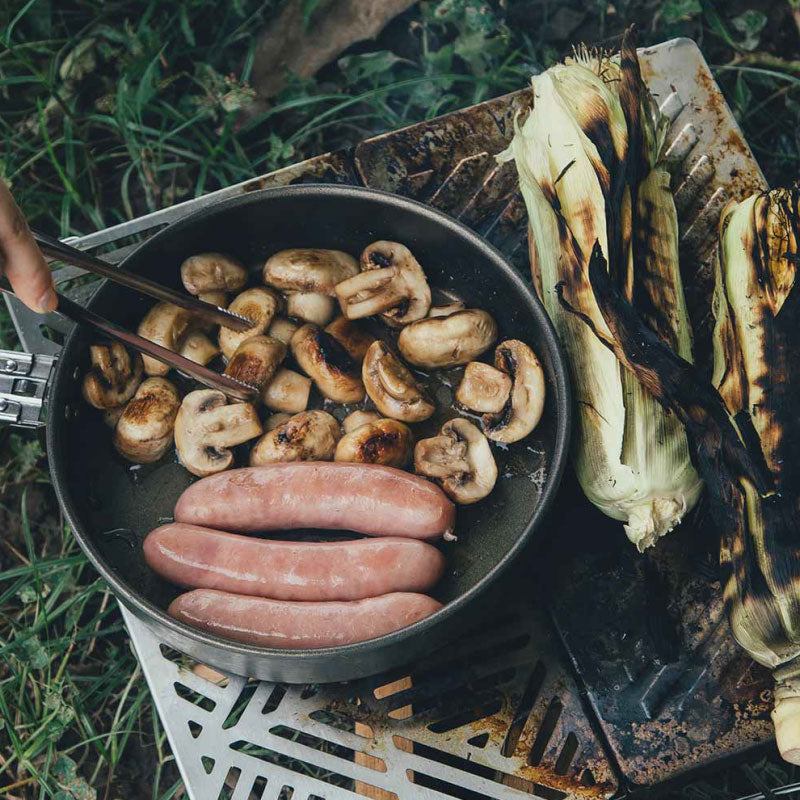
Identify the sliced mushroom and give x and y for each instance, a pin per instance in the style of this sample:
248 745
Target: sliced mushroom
460 459
359 418
392 387
523 410
258 304
207 427
288 391
212 272
311 307
144 431
276 420
392 284
199 348
309 270
483 388
328 364
386 441
113 377
447 341
446 309
351 336
256 360
307 436
167 325
283 329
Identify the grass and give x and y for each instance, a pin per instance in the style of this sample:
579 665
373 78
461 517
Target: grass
112 109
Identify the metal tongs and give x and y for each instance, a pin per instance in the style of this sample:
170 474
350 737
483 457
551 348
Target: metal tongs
57 250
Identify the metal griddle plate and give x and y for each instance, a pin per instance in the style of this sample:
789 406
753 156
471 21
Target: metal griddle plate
501 715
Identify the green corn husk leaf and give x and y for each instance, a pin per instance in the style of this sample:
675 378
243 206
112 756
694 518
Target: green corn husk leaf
757 371
589 164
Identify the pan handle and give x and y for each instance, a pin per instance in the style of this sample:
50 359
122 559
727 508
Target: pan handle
23 386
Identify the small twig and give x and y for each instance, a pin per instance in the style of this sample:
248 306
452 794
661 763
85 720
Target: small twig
17 785
16 552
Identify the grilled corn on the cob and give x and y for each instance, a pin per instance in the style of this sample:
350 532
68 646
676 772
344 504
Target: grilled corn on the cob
757 372
589 163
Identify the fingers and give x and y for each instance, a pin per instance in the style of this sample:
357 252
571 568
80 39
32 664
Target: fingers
22 262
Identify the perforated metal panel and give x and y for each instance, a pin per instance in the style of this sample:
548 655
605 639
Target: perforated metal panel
500 715
495 716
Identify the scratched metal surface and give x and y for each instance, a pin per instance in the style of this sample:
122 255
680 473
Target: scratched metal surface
500 715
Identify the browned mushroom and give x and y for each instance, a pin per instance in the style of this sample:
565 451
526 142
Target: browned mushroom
392 387
144 431
113 377
167 325
386 441
358 418
483 389
216 299
460 460
310 307
446 309
307 436
212 272
219 299
276 420
392 284
309 270
328 364
206 428
256 360
288 391
283 329
198 347
447 341
351 336
258 304
524 407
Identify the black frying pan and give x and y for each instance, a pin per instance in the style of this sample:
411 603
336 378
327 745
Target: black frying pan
111 506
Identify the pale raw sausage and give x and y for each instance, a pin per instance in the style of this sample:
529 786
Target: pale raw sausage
295 626
366 498
196 557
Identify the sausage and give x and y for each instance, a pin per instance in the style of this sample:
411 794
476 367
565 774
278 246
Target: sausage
197 557
366 498
295 626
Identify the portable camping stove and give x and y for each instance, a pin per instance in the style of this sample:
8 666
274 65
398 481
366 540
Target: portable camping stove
638 682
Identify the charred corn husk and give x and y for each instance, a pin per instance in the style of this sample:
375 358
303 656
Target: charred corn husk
589 158
757 372
745 433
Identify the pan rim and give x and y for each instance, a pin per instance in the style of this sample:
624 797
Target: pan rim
144 608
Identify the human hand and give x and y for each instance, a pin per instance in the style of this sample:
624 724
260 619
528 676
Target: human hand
20 259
